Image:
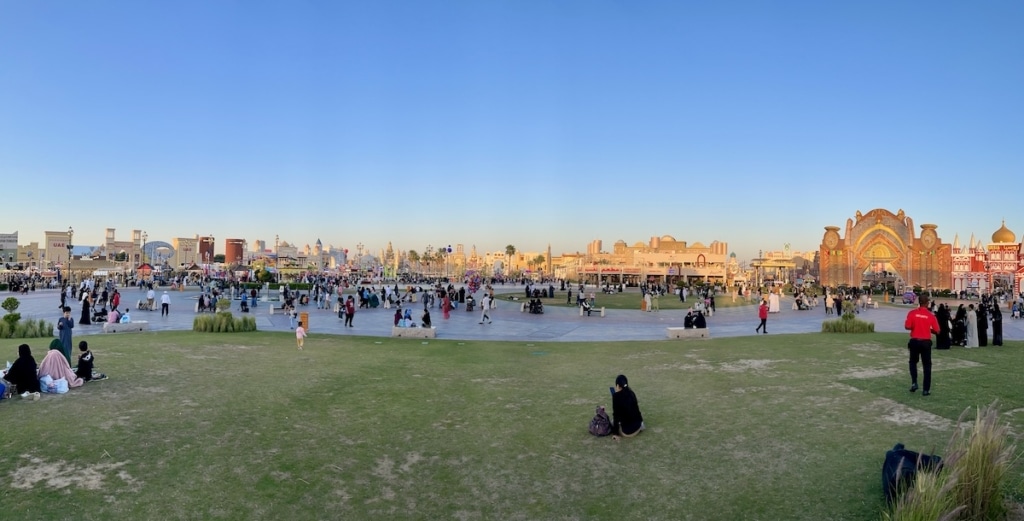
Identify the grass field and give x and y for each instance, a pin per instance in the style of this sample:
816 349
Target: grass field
244 426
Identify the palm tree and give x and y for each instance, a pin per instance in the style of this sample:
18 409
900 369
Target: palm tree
510 250
539 261
413 256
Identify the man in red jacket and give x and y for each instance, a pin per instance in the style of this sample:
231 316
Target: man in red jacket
922 325
762 313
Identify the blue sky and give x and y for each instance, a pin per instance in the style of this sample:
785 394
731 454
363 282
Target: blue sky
490 123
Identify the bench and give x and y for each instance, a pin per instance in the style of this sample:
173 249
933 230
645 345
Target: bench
688 332
124 327
414 332
599 311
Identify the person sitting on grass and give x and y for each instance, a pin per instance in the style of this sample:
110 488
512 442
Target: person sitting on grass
23 373
86 364
626 418
56 367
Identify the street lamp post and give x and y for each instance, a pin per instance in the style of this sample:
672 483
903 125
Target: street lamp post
71 234
277 258
447 261
144 238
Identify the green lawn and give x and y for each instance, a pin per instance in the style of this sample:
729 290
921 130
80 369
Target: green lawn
243 426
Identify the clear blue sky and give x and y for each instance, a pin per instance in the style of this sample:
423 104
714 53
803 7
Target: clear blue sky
509 122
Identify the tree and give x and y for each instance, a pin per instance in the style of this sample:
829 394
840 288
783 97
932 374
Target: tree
10 305
510 250
414 257
219 258
538 262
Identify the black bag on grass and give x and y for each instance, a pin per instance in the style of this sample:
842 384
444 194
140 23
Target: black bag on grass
900 468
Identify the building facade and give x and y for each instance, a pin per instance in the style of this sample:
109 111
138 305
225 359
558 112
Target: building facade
880 247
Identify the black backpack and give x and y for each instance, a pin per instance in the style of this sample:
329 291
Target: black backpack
900 468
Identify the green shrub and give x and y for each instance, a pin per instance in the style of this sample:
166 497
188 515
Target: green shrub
223 304
4 287
848 323
223 322
12 327
10 304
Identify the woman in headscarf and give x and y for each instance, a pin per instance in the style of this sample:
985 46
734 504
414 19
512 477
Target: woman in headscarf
982 325
942 341
23 372
972 327
997 325
86 304
56 366
960 326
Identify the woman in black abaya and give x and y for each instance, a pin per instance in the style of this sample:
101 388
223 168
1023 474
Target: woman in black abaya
23 371
960 326
982 325
86 307
997 325
942 341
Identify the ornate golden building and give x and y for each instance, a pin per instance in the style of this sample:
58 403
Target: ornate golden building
882 247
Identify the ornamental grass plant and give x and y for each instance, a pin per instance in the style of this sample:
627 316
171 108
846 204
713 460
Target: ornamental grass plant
930 498
223 322
40 328
983 455
848 323
970 485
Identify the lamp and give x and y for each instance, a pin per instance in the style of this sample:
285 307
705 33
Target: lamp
71 234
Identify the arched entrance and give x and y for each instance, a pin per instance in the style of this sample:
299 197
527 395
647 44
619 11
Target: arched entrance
880 247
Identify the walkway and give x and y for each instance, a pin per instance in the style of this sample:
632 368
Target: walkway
557 324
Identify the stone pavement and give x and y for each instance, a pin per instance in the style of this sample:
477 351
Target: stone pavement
557 324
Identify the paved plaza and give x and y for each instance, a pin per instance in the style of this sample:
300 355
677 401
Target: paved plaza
557 324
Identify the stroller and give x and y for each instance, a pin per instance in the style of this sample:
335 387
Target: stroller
99 316
470 303
536 307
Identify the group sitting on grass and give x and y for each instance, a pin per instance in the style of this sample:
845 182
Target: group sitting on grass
53 375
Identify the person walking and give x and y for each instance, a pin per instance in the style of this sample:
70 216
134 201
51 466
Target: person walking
300 335
762 313
350 310
165 304
922 324
485 306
